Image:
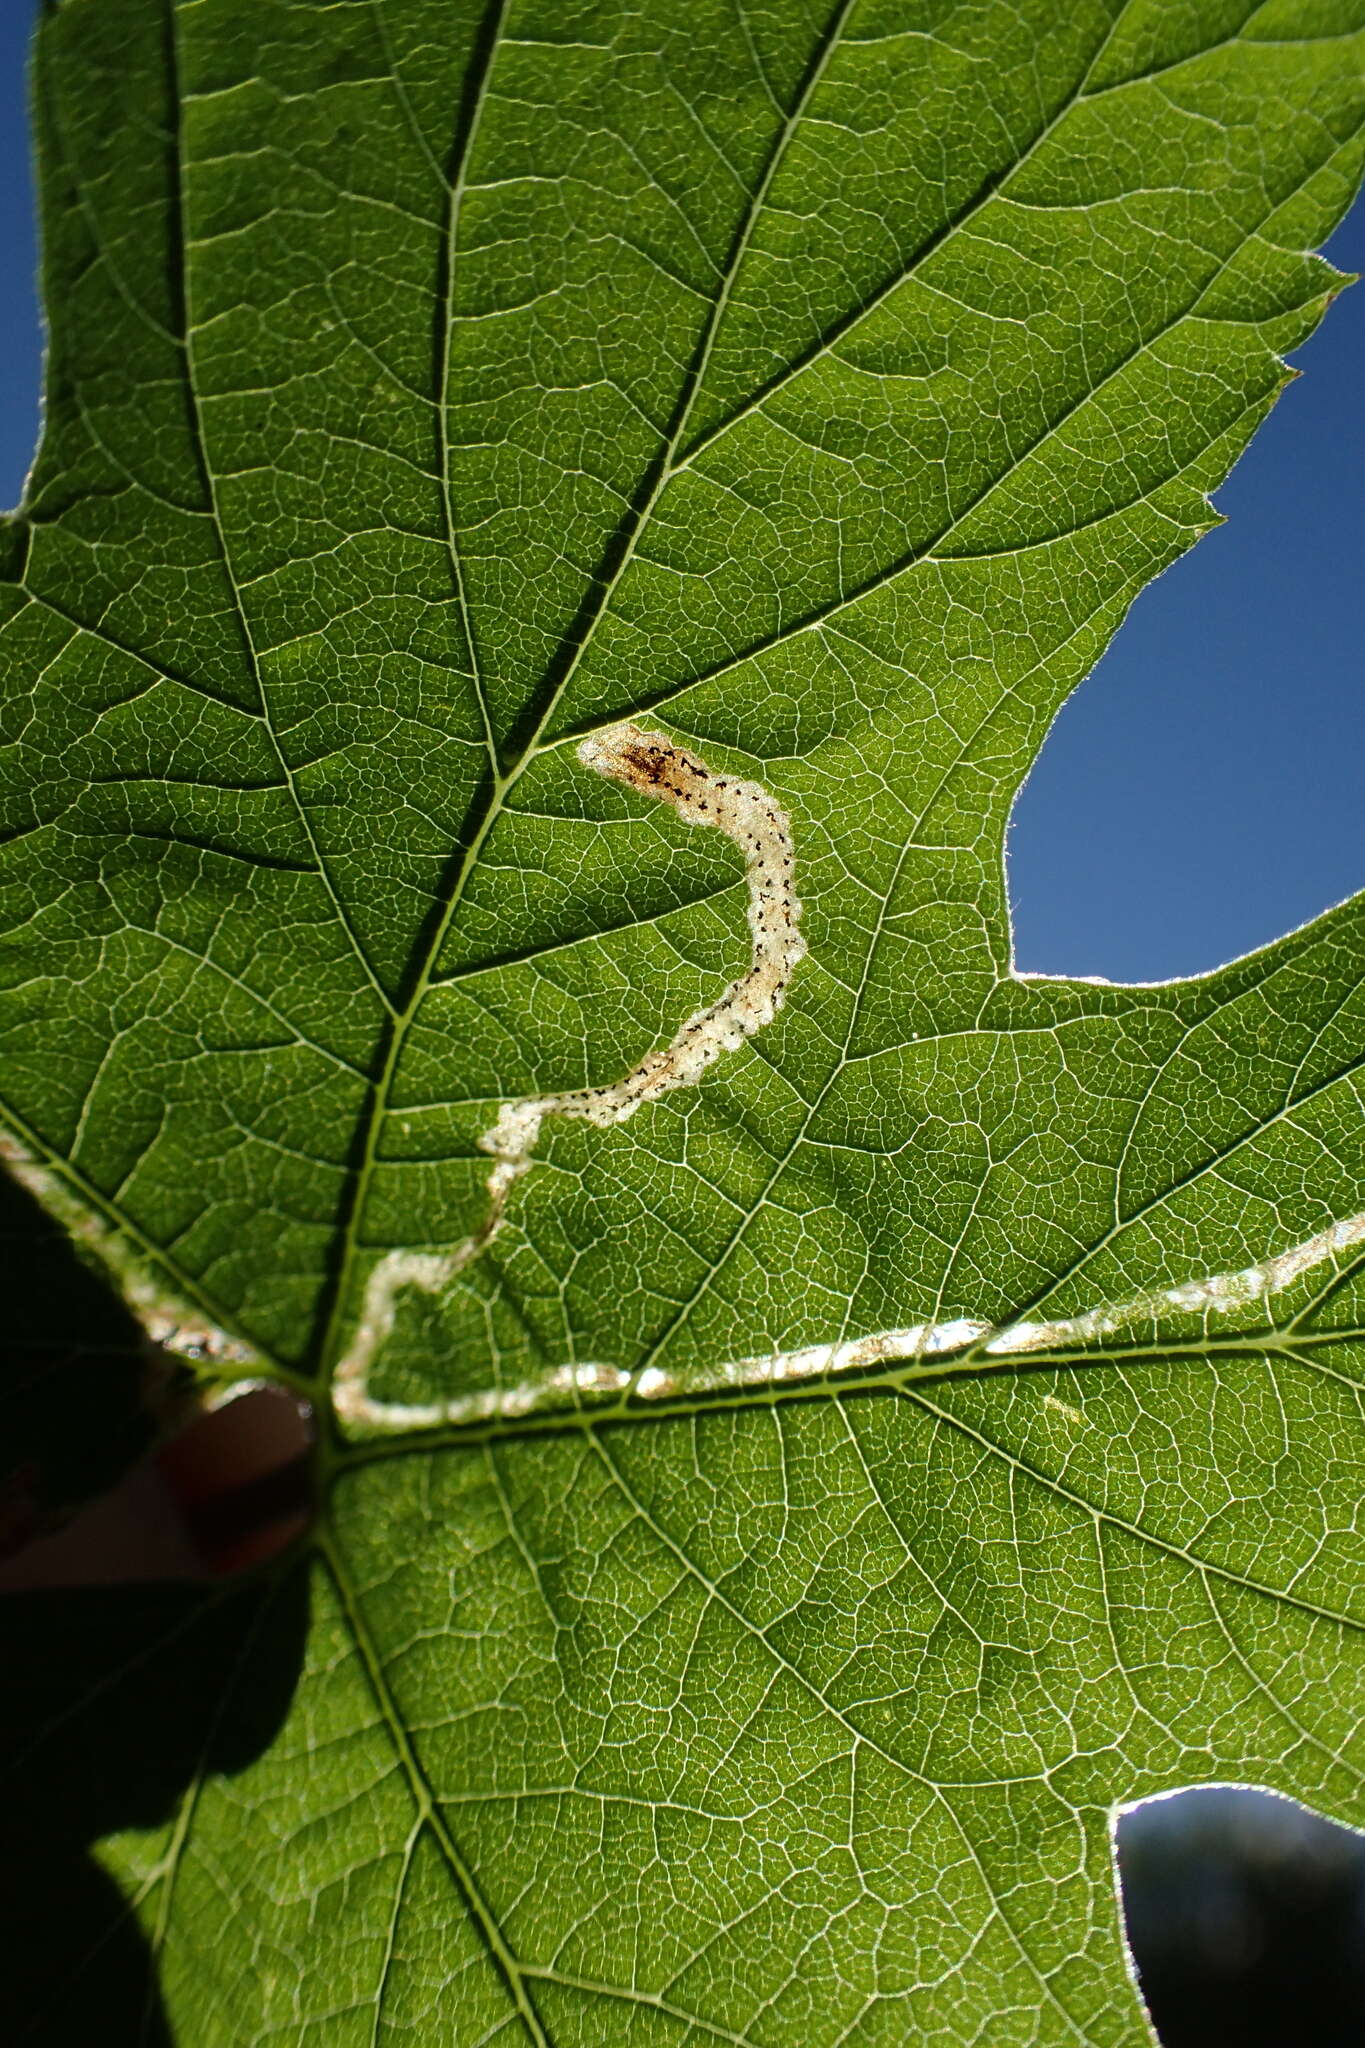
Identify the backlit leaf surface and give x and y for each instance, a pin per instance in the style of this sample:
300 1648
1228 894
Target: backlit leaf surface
431 387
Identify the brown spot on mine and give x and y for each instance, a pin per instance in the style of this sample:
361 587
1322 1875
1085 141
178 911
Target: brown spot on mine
646 763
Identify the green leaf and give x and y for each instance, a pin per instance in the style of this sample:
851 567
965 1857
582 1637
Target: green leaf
766 1534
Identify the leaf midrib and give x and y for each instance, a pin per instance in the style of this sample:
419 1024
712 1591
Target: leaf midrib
423 1796
503 781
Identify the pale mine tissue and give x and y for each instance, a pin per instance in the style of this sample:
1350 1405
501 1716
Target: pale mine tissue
744 811
654 766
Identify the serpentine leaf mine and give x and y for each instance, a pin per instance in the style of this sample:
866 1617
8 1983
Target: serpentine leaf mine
744 811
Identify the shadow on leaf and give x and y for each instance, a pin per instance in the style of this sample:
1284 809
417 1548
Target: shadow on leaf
116 1706
71 1350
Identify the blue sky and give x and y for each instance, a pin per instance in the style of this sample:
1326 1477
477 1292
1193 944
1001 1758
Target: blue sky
1202 792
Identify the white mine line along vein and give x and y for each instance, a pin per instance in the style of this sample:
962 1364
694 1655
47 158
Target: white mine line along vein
1216 1295
655 766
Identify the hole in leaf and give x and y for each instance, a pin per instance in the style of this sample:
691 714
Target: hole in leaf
1200 795
1246 1917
